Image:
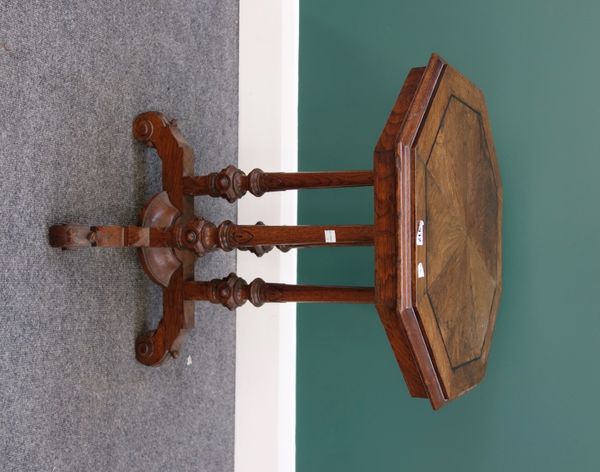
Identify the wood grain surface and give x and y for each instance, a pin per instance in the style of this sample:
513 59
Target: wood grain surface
233 291
177 157
447 201
231 183
437 234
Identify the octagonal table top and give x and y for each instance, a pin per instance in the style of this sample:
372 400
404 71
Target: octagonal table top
438 242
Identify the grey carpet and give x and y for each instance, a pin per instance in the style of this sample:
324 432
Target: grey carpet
73 74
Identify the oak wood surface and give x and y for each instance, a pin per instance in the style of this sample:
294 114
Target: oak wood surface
386 251
233 291
437 234
446 195
170 236
231 183
177 159
237 236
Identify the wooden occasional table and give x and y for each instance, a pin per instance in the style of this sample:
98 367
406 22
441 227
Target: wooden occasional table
437 234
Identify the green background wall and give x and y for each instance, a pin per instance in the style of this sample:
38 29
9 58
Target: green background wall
537 409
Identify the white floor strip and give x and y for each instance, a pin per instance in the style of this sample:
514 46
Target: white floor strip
266 337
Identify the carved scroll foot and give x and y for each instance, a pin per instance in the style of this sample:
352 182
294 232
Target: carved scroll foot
148 126
152 348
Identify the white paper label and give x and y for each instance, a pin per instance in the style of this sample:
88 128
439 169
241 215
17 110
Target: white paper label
420 270
189 360
420 231
330 236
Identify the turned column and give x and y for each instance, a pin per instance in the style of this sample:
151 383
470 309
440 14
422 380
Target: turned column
231 183
201 236
233 291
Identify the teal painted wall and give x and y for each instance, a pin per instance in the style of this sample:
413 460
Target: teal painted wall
537 409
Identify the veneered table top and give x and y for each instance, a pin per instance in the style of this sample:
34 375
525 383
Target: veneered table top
438 244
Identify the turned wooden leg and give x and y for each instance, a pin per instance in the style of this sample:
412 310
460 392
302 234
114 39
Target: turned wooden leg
232 236
202 236
231 183
170 237
161 228
233 291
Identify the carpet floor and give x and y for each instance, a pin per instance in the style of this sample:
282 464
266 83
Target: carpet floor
73 75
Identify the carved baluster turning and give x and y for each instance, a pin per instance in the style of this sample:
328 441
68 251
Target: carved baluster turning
200 236
231 183
233 291
231 236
